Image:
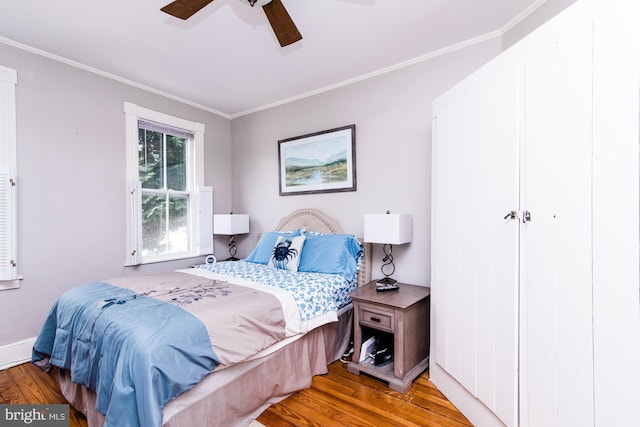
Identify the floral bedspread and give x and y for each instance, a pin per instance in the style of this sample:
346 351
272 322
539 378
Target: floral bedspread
315 293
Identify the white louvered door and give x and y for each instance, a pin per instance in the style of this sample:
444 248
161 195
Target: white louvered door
8 208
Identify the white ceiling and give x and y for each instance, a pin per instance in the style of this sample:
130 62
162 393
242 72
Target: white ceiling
226 58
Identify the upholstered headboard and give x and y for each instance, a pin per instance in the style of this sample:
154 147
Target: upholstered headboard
315 220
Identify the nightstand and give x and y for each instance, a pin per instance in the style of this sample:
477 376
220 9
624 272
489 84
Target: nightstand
401 316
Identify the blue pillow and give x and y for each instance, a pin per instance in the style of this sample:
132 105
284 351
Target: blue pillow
331 253
261 254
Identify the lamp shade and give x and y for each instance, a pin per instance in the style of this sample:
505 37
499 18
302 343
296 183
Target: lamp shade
231 224
394 229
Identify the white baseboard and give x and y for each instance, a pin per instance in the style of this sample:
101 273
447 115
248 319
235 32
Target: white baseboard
467 404
16 353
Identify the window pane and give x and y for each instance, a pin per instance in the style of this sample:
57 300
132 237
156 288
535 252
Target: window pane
176 163
150 162
178 224
154 229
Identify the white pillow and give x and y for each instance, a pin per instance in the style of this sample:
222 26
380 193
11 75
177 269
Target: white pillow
286 252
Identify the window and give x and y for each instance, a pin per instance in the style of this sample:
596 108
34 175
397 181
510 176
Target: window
170 209
9 277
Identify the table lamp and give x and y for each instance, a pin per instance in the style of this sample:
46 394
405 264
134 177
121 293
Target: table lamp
387 229
231 225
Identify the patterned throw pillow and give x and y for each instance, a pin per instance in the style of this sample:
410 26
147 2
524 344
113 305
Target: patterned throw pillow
286 252
263 251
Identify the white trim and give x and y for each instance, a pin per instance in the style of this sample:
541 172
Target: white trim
162 118
8 75
16 353
521 17
195 181
470 406
377 73
10 284
445 50
115 77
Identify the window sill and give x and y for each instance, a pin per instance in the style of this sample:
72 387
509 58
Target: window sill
5 285
165 259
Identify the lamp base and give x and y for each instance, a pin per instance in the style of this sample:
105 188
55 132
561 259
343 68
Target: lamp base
386 281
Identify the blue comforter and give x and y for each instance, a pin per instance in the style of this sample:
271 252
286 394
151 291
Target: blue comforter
131 350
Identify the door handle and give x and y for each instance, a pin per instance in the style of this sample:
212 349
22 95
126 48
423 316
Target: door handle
511 215
526 216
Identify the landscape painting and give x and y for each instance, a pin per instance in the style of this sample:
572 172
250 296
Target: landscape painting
320 162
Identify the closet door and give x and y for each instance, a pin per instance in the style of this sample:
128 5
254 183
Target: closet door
475 248
556 245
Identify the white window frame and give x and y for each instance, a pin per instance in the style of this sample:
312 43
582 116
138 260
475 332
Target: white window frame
200 209
9 276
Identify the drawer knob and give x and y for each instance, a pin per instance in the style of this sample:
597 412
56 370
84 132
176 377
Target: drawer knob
375 319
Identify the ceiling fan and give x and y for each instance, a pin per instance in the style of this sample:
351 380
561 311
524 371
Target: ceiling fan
280 21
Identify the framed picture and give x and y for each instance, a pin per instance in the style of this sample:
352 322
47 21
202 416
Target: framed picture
321 162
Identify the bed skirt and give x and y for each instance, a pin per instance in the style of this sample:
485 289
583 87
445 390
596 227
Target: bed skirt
236 395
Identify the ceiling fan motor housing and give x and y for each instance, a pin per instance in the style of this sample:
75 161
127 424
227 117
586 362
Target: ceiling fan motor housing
258 2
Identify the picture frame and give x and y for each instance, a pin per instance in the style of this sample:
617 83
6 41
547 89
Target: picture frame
320 162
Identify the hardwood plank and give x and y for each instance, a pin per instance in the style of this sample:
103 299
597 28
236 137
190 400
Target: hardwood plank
436 404
37 385
351 411
360 400
338 399
388 401
26 384
370 405
10 392
315 413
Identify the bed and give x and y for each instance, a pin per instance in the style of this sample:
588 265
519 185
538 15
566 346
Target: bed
241 382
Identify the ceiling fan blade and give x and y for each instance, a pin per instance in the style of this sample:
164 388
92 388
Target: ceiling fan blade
184 9
281 22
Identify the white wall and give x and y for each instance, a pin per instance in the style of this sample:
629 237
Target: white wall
539 16
71 181
393 148
393 153
71 166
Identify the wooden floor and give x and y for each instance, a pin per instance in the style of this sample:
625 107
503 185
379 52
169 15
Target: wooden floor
26 384
344 399
336 399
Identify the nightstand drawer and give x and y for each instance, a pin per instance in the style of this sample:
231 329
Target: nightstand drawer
376 318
